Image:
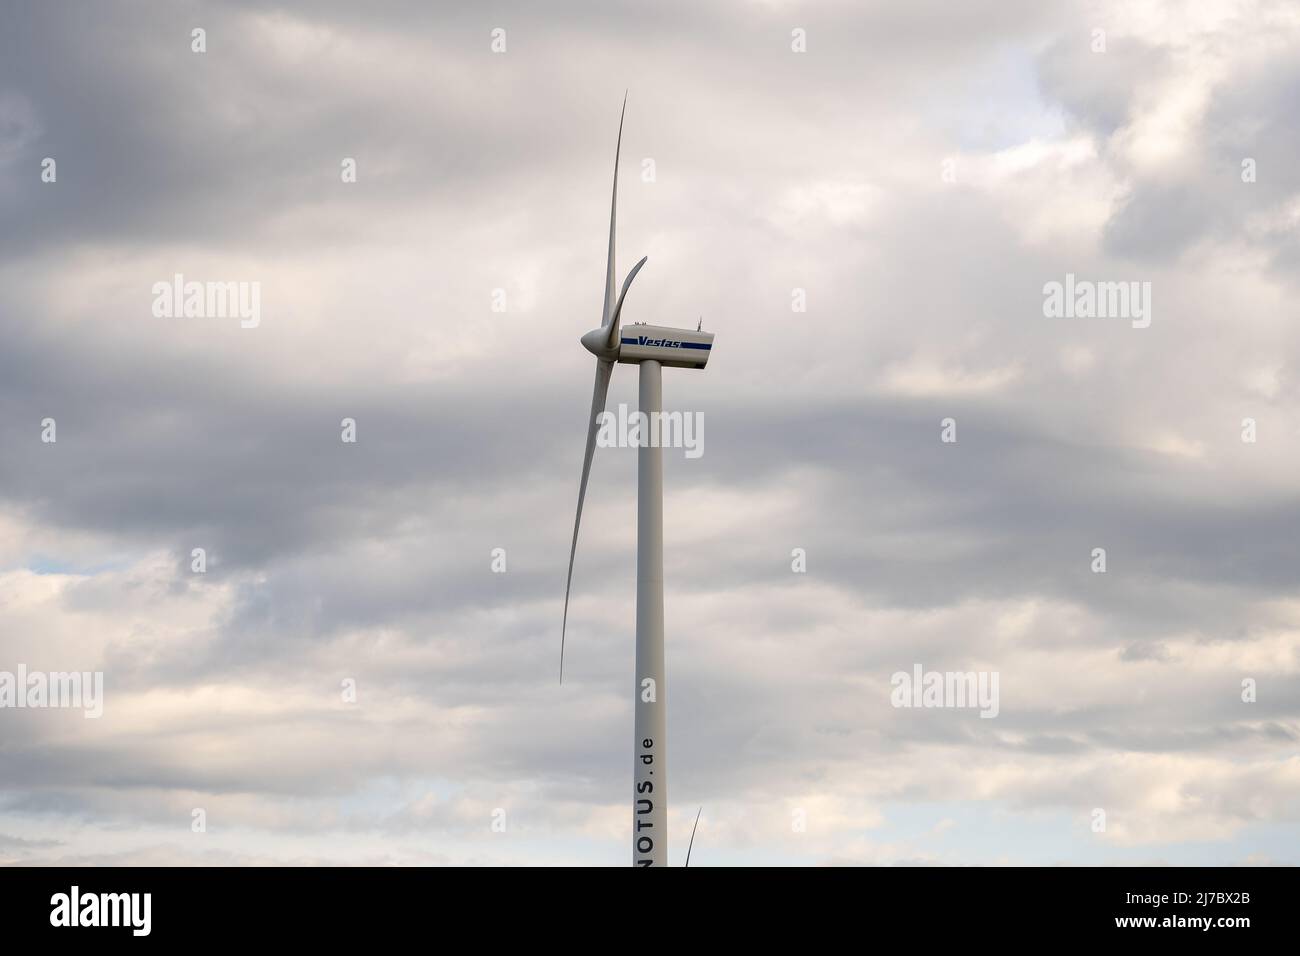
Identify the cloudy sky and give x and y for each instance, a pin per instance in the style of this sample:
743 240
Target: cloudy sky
916 176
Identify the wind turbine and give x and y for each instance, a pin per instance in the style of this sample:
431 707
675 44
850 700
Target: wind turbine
652 347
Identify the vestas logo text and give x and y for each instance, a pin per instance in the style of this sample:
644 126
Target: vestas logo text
645 341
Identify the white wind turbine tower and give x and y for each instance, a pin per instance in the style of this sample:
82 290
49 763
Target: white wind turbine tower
652 347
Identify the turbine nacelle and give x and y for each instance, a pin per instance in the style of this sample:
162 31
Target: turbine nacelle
672 348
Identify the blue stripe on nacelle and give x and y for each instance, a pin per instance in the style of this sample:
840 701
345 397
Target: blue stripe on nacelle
660 344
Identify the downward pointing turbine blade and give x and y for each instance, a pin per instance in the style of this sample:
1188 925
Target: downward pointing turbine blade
598 394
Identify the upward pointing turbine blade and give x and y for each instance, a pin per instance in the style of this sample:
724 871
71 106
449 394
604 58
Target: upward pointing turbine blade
613 216
598 393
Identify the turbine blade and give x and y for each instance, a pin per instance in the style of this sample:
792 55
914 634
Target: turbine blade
598 393
692 843
613 215
612 341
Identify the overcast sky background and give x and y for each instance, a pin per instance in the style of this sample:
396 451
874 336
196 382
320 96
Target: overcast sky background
775 171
